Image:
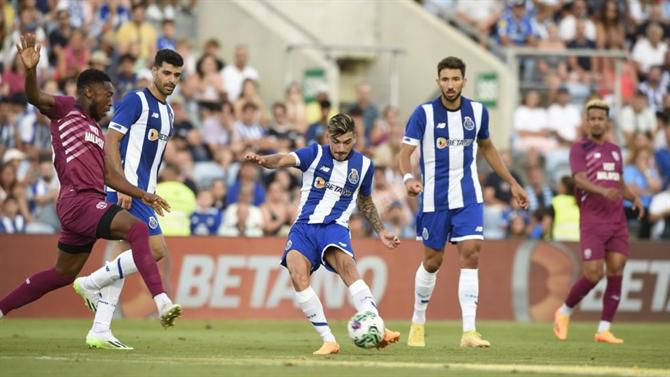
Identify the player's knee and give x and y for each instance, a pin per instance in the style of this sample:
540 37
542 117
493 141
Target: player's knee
432 265
159 252
70 271
470 259
300 279
594 274
137 230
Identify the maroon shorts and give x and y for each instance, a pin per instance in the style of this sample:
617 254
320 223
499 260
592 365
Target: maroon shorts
84 217
596 240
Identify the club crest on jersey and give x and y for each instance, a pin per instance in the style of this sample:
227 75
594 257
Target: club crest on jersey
153 223
353 177
615 155
425 234
154 135
587 253
319 183
441 143
469 124
101 205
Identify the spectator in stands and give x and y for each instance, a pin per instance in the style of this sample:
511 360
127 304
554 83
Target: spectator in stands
567 27
637 117
74 57
397 221
295 108
10 185
552 65
60 36
206 219
531 127
13 79
247 127
642 178
282 136
213 47
243 218
564 118
482 14
277 215
663 154
219 191
584 66
214 133
610 33
11 220
137 36
659 215
649 51
655 17
516 28
235 74
653 89
249 94
316 130
125 78
381 135
358 226
35 134
369 110
182 125
562 217
495 223
167 39
502 192
208 83
247 178
198 148
182 201
540 194
42 196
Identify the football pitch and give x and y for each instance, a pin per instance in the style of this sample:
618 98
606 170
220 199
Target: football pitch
283 348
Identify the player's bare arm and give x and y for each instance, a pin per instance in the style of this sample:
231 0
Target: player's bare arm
412 184
115 179
367 207
490 153
273 161
584 183
29 53
628 194
113 141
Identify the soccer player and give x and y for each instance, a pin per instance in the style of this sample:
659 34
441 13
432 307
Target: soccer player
78 143
335 179
136 140
597 168
449 130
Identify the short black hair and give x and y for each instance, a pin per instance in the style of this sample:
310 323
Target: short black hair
127 57
451 62
168 56
91 76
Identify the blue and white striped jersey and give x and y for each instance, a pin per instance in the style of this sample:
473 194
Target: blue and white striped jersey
146 124
330 187
448 143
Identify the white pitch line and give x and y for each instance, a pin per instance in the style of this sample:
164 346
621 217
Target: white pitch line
307 361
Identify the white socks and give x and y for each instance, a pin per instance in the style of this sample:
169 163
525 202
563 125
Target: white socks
107 305
565 310
468 292
119 268
162 300
311 305
604 326
362 297
424 283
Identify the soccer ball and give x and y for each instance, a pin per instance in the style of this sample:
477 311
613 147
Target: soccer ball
366 329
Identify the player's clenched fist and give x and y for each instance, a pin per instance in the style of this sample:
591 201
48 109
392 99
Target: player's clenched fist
253 157
413 186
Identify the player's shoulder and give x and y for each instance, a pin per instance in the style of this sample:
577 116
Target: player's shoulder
582 145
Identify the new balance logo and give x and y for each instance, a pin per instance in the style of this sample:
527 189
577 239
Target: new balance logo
154 115
441 125
479 229
615 298
324 169
342 244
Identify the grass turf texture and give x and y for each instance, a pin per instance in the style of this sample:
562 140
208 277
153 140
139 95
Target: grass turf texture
283 348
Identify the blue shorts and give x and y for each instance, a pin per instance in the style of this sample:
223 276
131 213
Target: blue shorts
142 211
312 241
454 225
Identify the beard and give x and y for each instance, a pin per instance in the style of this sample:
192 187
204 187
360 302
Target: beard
454 96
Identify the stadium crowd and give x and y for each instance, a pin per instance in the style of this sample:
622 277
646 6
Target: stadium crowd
219 115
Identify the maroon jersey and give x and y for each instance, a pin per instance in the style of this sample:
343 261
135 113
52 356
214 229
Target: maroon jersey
78 143
603 166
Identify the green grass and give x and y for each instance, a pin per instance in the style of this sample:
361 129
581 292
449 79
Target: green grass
283 348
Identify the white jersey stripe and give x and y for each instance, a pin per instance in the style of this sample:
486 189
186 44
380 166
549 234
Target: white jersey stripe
135 143
346 215
330 197
478 110
165 130
307 178
428 156
74 146
455 125
77 154
67 123
70 130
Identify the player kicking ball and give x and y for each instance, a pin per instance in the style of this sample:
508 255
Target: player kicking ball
335 179
597 167
78 142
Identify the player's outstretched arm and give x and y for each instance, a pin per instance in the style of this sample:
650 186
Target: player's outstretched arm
490 152
367 207
273 161
28 51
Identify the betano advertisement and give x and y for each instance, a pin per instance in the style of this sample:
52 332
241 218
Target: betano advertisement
241 278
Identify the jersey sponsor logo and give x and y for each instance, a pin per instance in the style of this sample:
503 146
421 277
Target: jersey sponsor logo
342 190
608 176
441 125
319 183
587 253
353 177
154 135
425 234
468 124
101 205
91 138
94 130
153 223
441 143
324 169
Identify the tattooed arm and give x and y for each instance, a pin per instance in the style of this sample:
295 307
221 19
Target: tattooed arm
367 207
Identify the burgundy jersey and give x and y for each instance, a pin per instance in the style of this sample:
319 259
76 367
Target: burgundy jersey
78 143
603 166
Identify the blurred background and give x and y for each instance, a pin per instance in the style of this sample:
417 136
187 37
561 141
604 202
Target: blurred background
264 76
